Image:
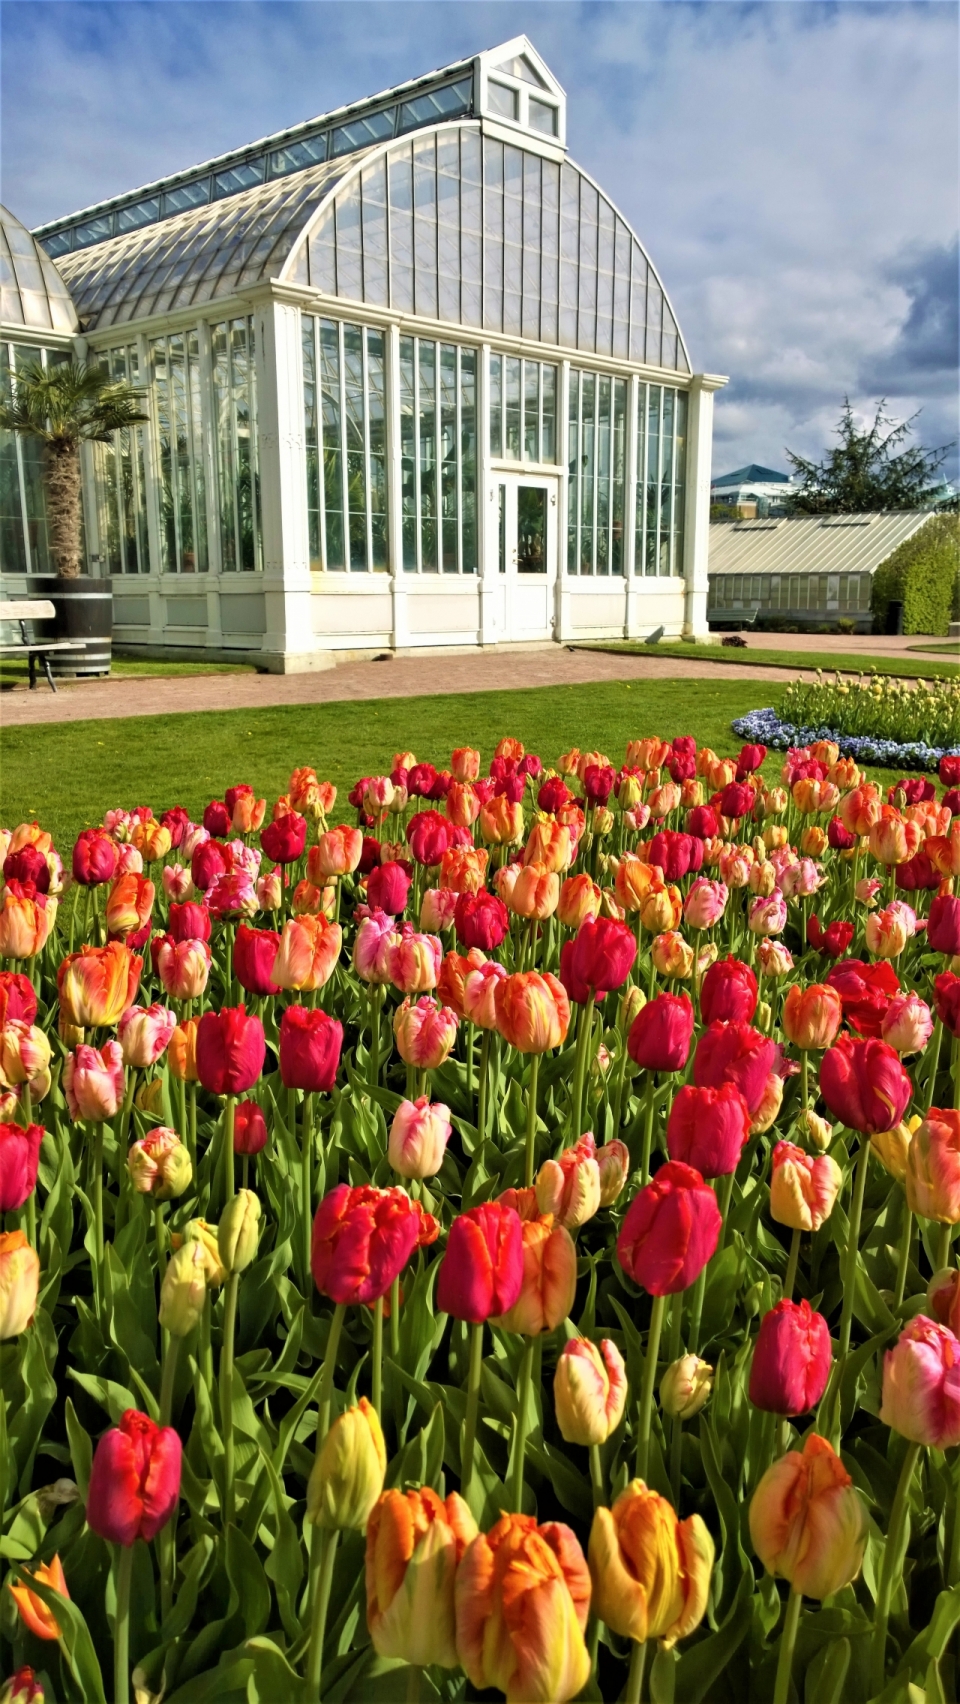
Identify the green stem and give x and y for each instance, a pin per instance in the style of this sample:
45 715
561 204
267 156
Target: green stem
470 1419
953 1560
649 1381
413 1683
596 1475
468 1049
98 1212
226 1392
185 1128
321 1581
906 1243
890 1568
520 1432
483 1087
121 1627
619 1087
306 1188
647 1130
580 1066
329 1363
724 1194
791 1274
229 1113
943 1247
638 1663
376 994
788 1639
170 1350
696 1311
395 1320
804 1080
531 1119
853 1243
376 1373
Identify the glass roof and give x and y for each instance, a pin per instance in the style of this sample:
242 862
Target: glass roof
32 292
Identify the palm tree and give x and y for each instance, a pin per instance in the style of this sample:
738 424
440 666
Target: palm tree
65 406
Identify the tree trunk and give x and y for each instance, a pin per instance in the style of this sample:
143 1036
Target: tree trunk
62 480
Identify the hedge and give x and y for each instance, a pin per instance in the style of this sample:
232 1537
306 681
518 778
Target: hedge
923 574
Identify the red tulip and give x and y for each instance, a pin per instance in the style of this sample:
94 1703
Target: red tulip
370 855
839 837
428 836
703 822
553 795
189 922
27 864
597 960
671 1229
865 992
254 952
283 841
735 1053
387 888
481 1273
676 854
230 1051
864 1084
949 770
17 998
728 992
310 1043
917 873
791 1361
176 821
598 780
946 998
362 1240
249 1128
19 1158
707 1128
832 941
943 925
134 1481
210 860
216 819
737 799
751 757
660 1035
481 920
95 857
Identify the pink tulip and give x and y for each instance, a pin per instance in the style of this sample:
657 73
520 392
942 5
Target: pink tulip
418 1137
144 1033
907 1023
425 1032
921 1384
93 1081
705 903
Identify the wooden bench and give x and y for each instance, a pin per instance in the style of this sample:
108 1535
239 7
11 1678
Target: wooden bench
33 609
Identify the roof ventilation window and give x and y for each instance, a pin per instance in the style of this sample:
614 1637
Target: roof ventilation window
141 213
520 66
543 117
185 196
312 151
503 101
449 102
243 176
377 128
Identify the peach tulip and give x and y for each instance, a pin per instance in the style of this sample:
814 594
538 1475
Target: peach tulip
921 1384
803 1187
549 1279
418 1137
932 1179
589 1390
415 1542
533 1011
19 1283
522 1599
308 952
425 1032
807 1520
569 1187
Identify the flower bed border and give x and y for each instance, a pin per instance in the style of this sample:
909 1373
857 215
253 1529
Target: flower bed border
766 728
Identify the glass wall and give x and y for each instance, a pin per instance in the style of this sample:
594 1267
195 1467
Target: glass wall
523 409
121 480
24 541
235 422
792 593
597 457
661 464
438 450
175 371
344 371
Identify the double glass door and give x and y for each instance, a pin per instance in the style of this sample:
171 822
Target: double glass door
527 555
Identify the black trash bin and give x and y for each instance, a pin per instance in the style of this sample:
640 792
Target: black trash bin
894 618
84 609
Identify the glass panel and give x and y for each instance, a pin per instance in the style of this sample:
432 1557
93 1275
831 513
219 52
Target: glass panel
587 471
374 186
311 151
353 415
60 243
653 478
520 67
331 415
186 195
666 480
408 452
543 116
512 409
440 103
427 373
362 132
496 405
448 457
377 449
531 529
531 411
502 527
239 177
468 461
504 102
679 477
141 213
641 480
573 471
13 549
618 461
548 431
311 428
94 231
425 225
401 230
603 476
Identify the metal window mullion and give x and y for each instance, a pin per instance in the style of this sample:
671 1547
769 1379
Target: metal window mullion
344 471
318 430
367 493
458 447
21 474
596 467
234 445
673 487
192 444
438 448
579 384
208 433
417 506
659 476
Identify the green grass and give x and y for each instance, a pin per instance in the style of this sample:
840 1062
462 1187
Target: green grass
756 656
13 673
67 774
941 650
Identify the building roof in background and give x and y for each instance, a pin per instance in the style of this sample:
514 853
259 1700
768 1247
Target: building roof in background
752 475
803 544
32 292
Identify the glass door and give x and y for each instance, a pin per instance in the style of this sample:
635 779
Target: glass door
527 554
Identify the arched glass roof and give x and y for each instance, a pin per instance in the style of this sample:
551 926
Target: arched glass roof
32 292
447 224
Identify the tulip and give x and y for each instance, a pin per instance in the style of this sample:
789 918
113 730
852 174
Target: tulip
661 909
347 1477
18 1002
128 904
670 1230
388 887
728 992
533 1011
438 909
463 868
19 1159
238 1231
19 1283
534 893
283 841
549 1280
672 956
362 1239
735 1053
413 961
522 1598
134 1481
428 836
705 903
481 920
254 955
270 890
550 844
230 1050
479 994
144 1033
597 960
685 1387
189 922
94 858
481 1272
886 933
932 1179
249 1128
22 1688
677 854
34 1613
454 971
589 1390
921 1384
97 984
308 952
892 840
865 991
418 1138
216 818
310 1044
579 899
371 947
708 1128
183 1290
907 1024
415 1542
832 941
463 804
93 1082
773 958
465 763
651 1572
159 1165
660 1035
613 1165
943 925
425 1032
501 821
26 919
803 1187
768 916
183 967
24 1053
182 1051
807 1520
569 1187
946 999
812 1015
864 1084
791 1360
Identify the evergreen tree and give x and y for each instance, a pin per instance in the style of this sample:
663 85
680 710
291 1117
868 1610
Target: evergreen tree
868 470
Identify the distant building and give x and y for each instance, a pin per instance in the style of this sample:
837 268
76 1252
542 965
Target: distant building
803 570
752 491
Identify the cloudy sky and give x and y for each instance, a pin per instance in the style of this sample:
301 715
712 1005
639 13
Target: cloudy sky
790 167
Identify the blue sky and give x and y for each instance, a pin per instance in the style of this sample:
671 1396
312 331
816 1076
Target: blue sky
790 167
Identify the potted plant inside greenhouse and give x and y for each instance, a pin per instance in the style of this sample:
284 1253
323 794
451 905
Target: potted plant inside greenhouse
64 406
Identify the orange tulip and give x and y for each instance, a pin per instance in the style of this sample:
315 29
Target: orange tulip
26 920
533 1011
892 840
182 1051
661 909
651 1573
309 901
19 1283
635 880
462 804
579 898
480 994
943 850
151 839
33 1611
415 1542
510 748
807 1521
812 1015
649 753
522 1599
337 853
501 822
308 952
454 971
535 892
814 842
97 984
464 763
672 955
551 844
549 1279
811 796
463 869
129 903
803 1187
844 774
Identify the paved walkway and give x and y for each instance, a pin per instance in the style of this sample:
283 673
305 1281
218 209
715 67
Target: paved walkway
401 677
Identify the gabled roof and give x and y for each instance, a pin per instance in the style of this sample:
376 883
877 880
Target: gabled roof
826 544
754 474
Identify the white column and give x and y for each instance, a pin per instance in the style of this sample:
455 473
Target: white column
288 645
398 589
632 611
563 626
696 516
487 514
152 485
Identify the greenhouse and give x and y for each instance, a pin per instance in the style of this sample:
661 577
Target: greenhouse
411 380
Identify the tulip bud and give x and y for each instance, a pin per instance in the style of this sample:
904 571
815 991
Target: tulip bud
182 1051
632 1002
414 1544
347 1476
149 1098
418 1137
812 1015
791 1361
569 1188
198 1231
685 1387
919 1384
589 1390
36 1616
159 1165
184 1290
239 1231
22 1687
549 1279
613 1164
816 1129
892 1147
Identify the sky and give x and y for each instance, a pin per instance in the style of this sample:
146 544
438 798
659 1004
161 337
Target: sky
791 168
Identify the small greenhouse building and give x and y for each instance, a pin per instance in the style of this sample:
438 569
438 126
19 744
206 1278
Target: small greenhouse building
412 380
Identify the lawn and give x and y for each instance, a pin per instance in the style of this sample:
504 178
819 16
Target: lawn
13 672
848 663
67 775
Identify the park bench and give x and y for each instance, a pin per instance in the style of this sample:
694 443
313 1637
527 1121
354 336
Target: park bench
26 610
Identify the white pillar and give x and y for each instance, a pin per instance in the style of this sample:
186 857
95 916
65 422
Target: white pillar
488 561
288 645
398 587
564 608
631 599
696 518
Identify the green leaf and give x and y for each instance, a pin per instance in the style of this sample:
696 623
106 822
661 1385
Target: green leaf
81 1448
284 1565
273 1681
701 1666
115 1398
75 1641
825 1677
571 1487
246 1576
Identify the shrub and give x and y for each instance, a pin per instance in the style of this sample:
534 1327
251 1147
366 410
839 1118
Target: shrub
922 574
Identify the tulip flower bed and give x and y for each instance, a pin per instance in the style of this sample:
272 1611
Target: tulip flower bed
501 1244
878 721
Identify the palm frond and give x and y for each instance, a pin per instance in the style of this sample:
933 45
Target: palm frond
70 403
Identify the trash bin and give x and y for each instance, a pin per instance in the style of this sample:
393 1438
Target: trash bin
894 618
